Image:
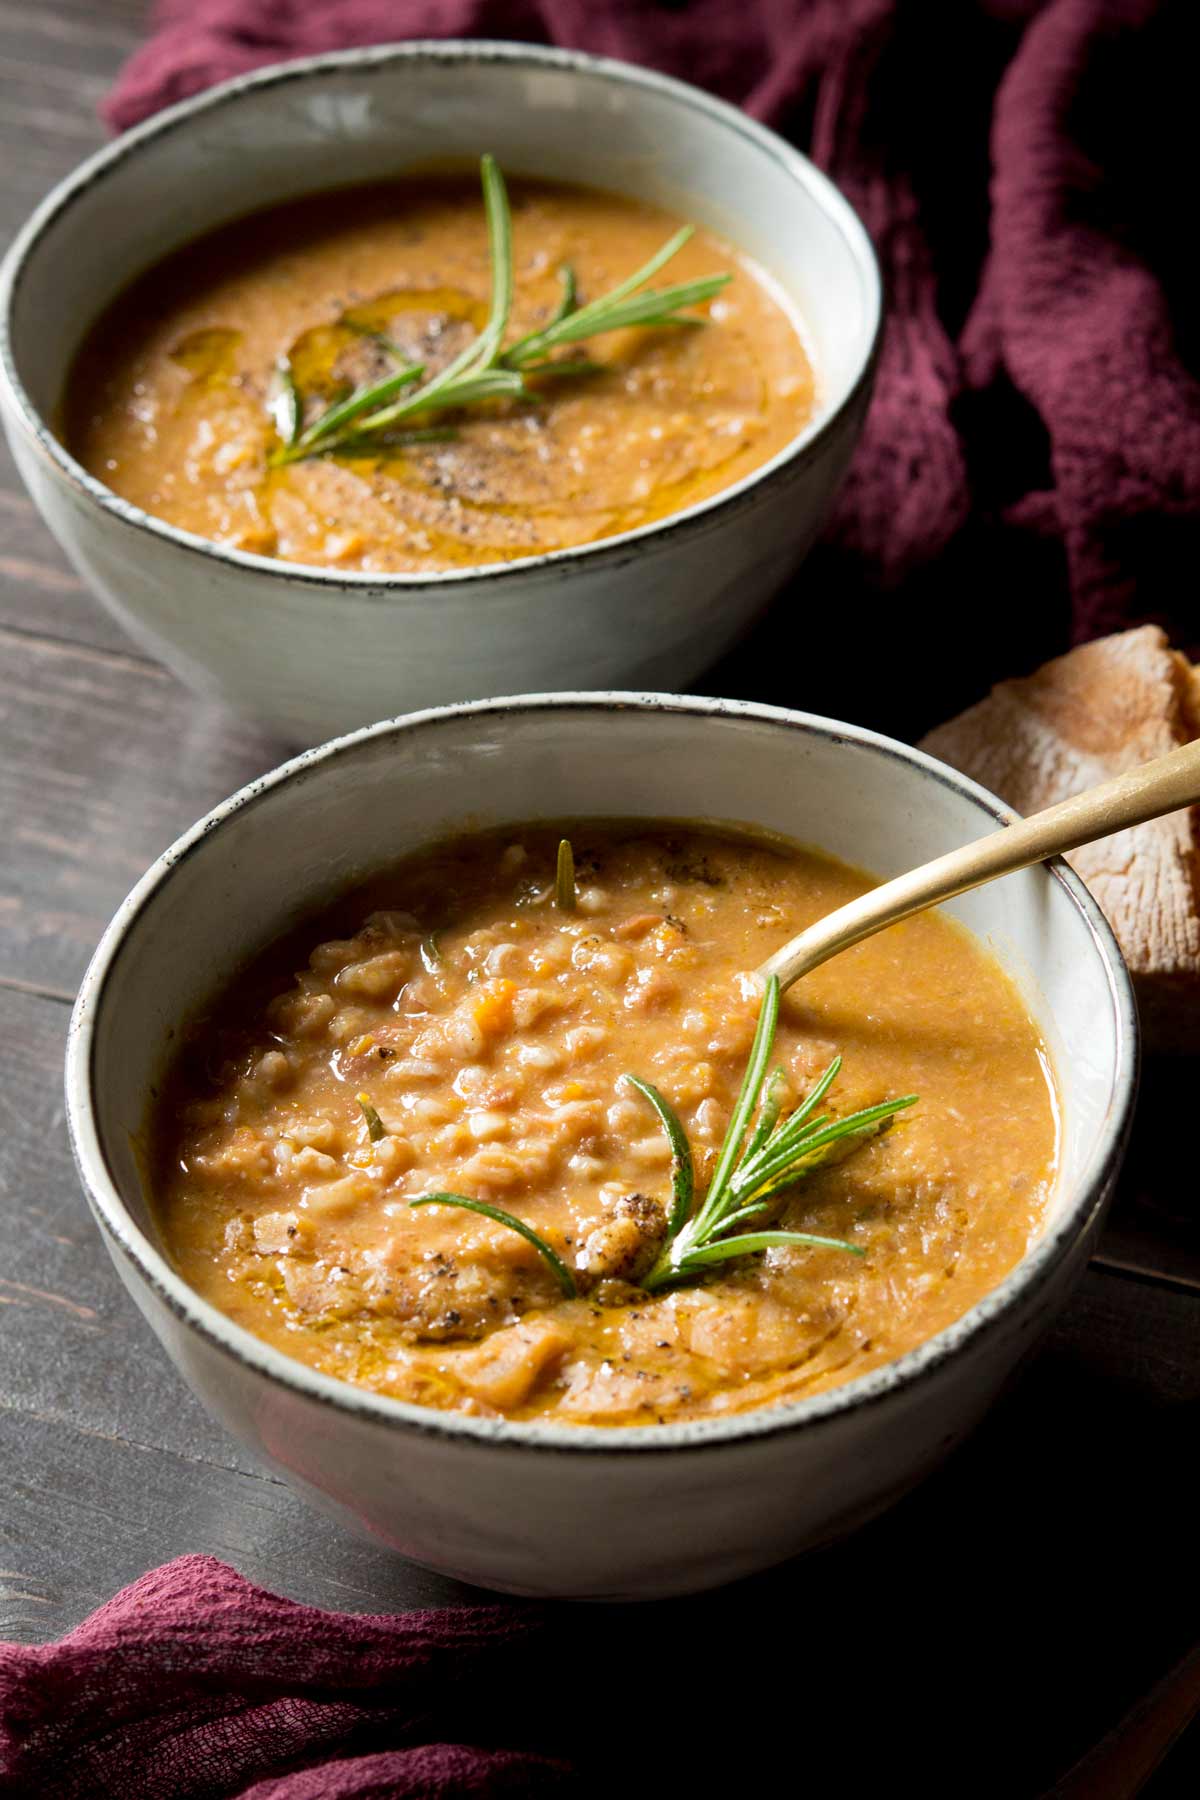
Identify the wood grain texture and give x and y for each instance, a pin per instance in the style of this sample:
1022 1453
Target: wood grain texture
56 64
83 1513
106 760
40 596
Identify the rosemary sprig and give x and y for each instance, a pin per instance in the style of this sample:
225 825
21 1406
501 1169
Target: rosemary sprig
485 370
566 1280
467 378
751 1173
754 1170
564 877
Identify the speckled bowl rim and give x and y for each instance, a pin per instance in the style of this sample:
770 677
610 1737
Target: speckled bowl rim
376 60
869 1390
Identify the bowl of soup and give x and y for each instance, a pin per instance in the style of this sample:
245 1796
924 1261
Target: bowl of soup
618 526
349 1085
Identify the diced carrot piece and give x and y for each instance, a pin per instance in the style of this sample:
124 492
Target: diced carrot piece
493 1010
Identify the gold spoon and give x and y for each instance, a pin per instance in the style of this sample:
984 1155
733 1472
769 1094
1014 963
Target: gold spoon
1158 787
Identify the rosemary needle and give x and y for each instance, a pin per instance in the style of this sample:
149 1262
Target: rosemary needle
566 1280
683 1179
376 1129
564 877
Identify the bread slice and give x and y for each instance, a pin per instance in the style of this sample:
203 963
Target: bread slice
1101 709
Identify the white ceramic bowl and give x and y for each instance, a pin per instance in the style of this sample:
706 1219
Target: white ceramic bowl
313 651
549 1509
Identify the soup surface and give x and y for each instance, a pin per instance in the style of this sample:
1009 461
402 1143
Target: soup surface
491 1030
168 400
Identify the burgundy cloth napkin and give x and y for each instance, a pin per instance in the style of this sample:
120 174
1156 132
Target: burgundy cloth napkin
1030 471
192 1684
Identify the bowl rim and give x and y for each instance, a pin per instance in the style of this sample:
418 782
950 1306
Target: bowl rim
373 59
251 1353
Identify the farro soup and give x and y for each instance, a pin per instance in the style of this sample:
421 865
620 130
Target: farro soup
461 1025
174 401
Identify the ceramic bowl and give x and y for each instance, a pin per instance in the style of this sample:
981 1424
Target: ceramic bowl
313 651
538 1508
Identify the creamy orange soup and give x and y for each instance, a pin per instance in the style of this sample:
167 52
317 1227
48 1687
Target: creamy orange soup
168 401
491 1032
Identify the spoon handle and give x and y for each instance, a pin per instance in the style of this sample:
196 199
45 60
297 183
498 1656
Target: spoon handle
1161 786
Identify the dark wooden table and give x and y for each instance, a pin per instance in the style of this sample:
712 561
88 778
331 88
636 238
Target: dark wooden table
976 1641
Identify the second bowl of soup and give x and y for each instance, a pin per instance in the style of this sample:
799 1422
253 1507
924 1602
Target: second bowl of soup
379 1149
620 514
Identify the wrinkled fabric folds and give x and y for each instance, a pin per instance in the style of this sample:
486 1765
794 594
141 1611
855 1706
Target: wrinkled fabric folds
193 1683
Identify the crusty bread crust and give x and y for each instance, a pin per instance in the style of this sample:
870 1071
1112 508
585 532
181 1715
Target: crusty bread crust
1103 708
